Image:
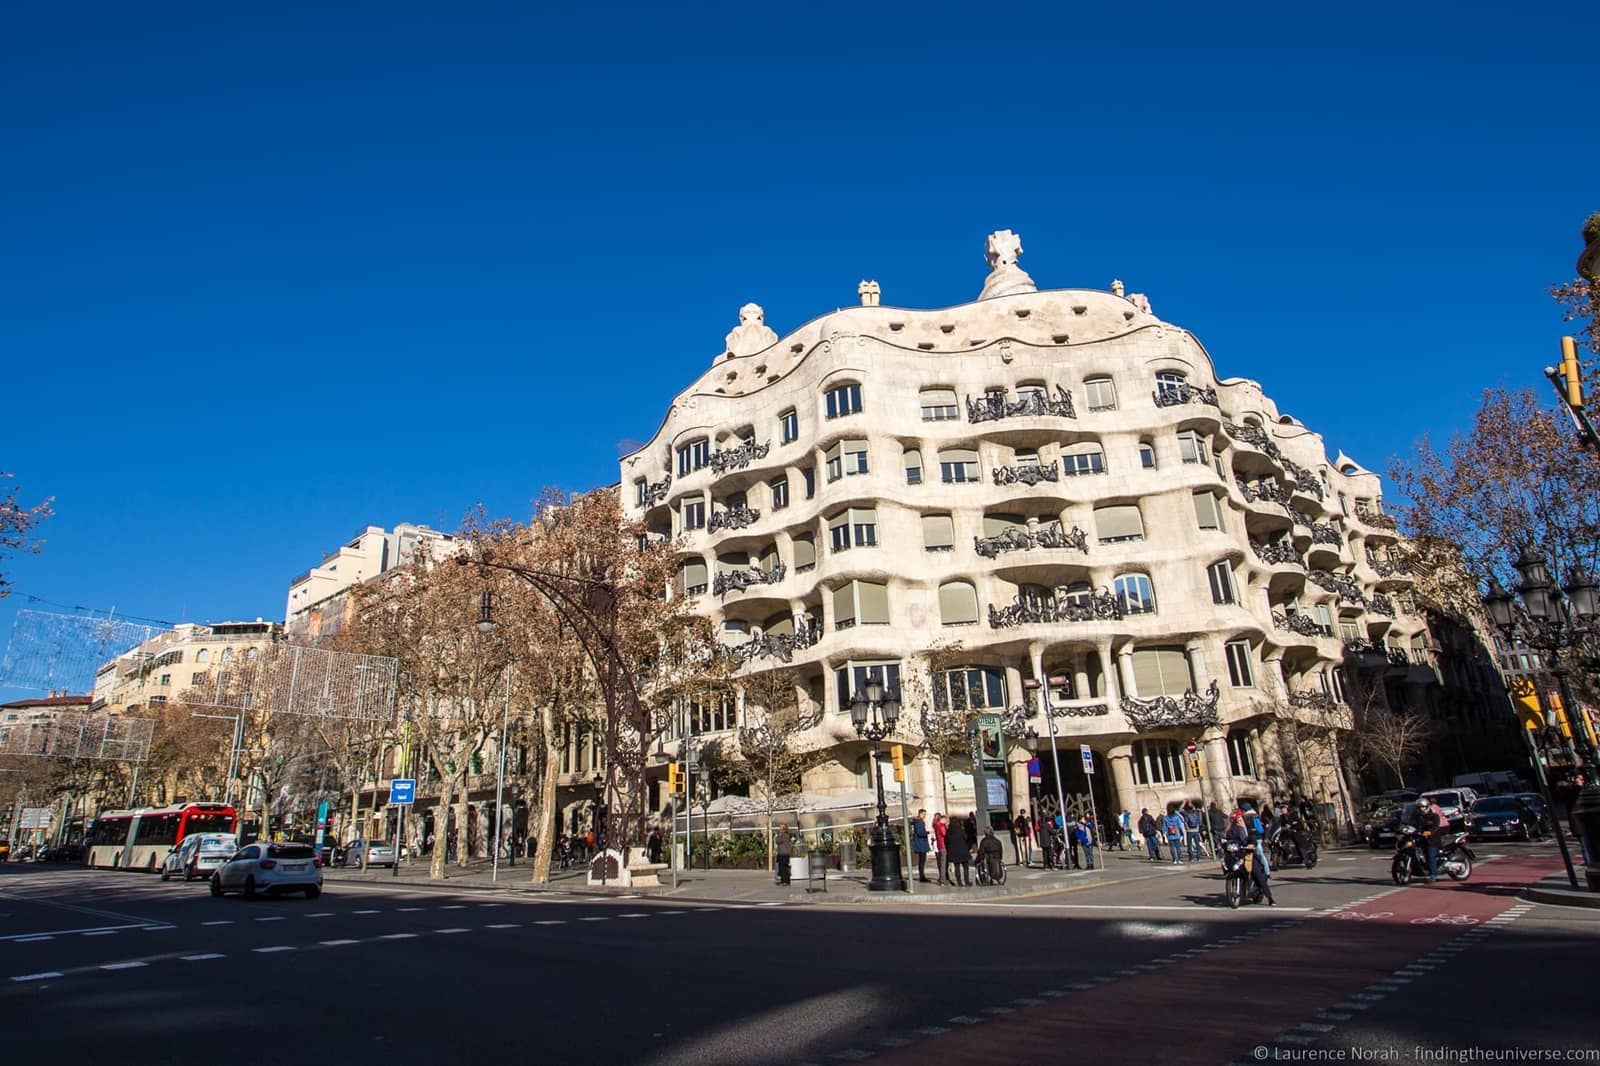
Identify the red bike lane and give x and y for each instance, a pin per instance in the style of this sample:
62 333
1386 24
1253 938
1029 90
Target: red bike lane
1213 1006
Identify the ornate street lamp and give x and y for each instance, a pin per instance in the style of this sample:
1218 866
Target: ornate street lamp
875 712
1554 623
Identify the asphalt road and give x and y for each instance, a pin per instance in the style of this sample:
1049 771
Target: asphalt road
98 966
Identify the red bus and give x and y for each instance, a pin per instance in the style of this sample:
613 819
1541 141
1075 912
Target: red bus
141 839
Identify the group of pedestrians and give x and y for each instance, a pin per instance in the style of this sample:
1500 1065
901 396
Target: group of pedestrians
955 844
1190 832
1064 843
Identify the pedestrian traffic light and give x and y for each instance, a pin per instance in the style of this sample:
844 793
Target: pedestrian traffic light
1571 372
897 756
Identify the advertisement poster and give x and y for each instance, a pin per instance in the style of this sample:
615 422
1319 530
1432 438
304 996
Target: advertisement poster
991 743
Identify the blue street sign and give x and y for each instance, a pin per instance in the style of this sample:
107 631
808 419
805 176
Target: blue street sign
403 791
1033 771
1088 758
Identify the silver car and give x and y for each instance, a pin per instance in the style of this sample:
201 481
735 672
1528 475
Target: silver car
271 869
378 853
199 855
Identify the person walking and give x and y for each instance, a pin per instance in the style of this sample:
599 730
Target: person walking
652 844
1151 833
1069 838
972 831
1172 825
783 849
960 849
1084 831
1047 843
919 843
1125 831
1217 823
941 856
1258 836
1023 827
1191 832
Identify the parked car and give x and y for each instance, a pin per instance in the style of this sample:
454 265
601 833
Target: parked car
1453 804
1536 804
1386 828
1501 818
379 853
272 869
1378 810
199 855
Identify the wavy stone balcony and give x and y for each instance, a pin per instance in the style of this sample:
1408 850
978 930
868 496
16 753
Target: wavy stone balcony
1017 722
992 407
1027 474
1022 539
1163 712
732 518
1180 394
1059 607
781 646
739 580
1255 437
1264 490
1341 585
1304 480
726 459
655 492
1388 568
1321 532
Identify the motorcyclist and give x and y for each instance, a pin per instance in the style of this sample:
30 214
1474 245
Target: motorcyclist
1292 826
1429 828
1239 833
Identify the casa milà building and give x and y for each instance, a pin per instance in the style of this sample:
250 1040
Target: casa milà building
1039 485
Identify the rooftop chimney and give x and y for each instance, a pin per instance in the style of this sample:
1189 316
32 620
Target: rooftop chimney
869 293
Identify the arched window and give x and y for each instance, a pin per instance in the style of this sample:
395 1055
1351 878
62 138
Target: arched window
1147 455
693 455
912 461
1118 522
1135 593
1088 458
939 405
1077 594
958 604
227 655
938 533
251 654
843 400
788 426
860 602
1220 575
1241 754
203 655
805 553
1157 762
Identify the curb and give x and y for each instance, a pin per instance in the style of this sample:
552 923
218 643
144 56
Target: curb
1561 897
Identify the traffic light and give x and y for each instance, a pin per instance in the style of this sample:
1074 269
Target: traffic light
1571 372
897 755
674 777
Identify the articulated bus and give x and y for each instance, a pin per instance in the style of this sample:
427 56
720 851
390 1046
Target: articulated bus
141 839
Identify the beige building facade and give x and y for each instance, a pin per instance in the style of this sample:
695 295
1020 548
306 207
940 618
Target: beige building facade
1059 492
188 656
319 598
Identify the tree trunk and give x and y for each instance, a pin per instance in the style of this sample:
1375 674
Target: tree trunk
547 796
463 829
441 822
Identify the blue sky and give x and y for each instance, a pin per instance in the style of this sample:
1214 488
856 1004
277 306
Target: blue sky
267 277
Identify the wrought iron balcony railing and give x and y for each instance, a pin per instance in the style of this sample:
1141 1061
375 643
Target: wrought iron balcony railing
1299 623
1313 700
1026 474
725 459
1277 552
1061 606
1346 588
1374 518
656 492
781 646
732 518
1388 567
993 406
739 580
1264 488
1254 436
1160 712
1019 538
1380 604
1176 395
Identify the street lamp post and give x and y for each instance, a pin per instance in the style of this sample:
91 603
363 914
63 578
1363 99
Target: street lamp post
875 713
1552 620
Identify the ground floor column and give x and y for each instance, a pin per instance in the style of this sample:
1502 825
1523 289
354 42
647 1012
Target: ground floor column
1125 798
1214 758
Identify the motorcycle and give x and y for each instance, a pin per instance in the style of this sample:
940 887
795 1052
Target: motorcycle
1284 850
1411 861
1238 861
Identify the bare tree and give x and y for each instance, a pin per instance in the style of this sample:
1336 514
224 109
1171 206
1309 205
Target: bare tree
17 521
1394 739
771 758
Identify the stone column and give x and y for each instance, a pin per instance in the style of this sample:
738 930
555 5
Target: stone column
1214 758
1017 777
1080 676
1196 651
1121 760
1125 672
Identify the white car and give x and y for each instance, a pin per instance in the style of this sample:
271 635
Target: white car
272 869
199 855
1453 804
381 854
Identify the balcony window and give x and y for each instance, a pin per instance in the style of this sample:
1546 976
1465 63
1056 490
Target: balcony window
843 400
958 604
640 487
1117 523
912 460
847 457
856 527
693 512
805 553
1135 593
938 533
1240 672
809 475
692 577
1324 619
1192 447
853 677
693 456
1101 394
1207 510
1162 671
860 603
1169 385
1220 576
1241 754
939 405
970 688
788 426
1083 459
780 492
998 525
1147 456
958 465
1157 762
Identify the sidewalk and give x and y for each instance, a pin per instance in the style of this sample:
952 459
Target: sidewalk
1558 891
757 886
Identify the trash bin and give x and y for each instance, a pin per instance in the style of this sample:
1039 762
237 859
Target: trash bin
798 867
847 856
816 870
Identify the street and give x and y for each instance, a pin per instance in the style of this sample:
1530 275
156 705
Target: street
103 965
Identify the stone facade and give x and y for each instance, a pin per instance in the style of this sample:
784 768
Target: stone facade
1060 485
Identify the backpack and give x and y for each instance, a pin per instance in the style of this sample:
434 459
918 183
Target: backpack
1255 824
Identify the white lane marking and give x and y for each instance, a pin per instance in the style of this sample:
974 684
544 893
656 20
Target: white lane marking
502 925
491 904
79 931
636 915
1313 1027
448 907
202 958
552 921
600 918
398 936
458 930
269 951
36 939
123 965
966 1019
337 943
932 1030
407 910
225 921
271 918
46 975
669 912
321 914
103 932
366 912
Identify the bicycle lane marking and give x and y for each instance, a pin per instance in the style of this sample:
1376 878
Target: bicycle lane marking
1179 1028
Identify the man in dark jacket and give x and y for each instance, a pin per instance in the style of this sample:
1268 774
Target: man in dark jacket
1238 833
1428 827
1047 842
783 848
1217 822
1151 833
960 850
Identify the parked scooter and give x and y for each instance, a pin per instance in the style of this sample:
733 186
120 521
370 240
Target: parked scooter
1410 861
